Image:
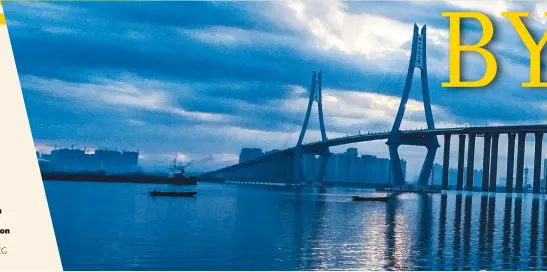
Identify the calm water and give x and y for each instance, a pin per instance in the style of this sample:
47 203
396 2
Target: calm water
102 226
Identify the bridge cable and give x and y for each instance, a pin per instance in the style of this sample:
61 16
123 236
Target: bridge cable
394 90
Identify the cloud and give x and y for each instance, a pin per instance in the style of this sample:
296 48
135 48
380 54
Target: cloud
130 92
490 7
233 36
43 148
48 11
58 30
539 12
376 37
352 110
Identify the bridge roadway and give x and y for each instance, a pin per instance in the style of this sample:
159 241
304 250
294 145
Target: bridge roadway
316 147
425 132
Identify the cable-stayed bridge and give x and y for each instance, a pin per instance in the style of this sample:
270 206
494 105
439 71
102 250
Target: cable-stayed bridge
285 166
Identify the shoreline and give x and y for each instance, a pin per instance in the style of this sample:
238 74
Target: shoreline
79 177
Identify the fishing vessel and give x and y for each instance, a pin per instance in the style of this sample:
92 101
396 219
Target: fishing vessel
179 194
372 198
177 174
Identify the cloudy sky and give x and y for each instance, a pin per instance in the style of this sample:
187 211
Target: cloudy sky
201 80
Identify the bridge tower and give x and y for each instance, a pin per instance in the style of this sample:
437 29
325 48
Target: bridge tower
417 60
296 166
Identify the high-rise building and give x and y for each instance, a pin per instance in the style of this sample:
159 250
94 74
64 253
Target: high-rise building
477 177
70 160
310 166
384 171
114 161
350 167
353 164
452 176
369 168
344 167
77 160
331 173
436 177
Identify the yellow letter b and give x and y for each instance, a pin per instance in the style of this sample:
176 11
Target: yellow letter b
456 48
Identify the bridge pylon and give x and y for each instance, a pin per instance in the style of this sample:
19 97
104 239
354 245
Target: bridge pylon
418 59
296 166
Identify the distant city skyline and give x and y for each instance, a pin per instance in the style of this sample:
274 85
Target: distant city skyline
347 167
255 152
78 160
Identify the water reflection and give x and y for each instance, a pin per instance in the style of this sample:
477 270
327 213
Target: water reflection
457 233
516 233
441 256
490 232
485 240
506 248
467 232
390 236
534 234
249 228
424 258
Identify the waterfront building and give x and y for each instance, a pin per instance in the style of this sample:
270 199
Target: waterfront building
78 160
436 177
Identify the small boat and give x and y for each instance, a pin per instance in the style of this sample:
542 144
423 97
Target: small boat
179 194
373 198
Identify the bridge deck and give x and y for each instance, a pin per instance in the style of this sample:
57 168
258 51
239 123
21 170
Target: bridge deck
426 132
384 135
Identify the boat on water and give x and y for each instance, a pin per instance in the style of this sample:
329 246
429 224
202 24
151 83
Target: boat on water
177 174
179 194
371 198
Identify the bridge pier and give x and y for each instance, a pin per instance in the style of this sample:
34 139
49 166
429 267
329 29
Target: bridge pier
486 162
537 162
461 151
296 170
494 162
521 141
510 162
395 139
470 162
446 161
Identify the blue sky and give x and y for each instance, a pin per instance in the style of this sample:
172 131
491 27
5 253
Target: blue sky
201 80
